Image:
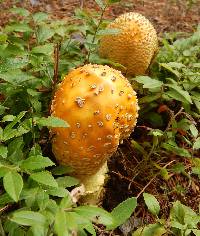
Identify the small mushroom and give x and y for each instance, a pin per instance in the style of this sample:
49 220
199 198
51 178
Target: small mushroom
97 125
134 46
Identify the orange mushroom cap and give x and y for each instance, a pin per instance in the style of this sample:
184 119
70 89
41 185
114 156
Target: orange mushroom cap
134 46
101 108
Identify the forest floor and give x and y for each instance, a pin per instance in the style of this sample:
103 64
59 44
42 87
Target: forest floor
166 15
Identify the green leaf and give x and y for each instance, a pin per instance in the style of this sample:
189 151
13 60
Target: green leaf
44 32
100 4
20 11
113 1
176 92
3 151
40 16
95 214
58 192
196 232
13 63
150 230
46 49
148 82
8 118
61 170
45 178
15 153
37 230
152 203
42 198
16 77
51 121
196 144
194 130
60 225
13 184
122 212
36 162
177 150
67 181
169 68
3 37
108 32
28 218
18 27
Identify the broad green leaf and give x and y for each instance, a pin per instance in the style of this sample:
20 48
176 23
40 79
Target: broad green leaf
177 150
40 16
15 150
122 212
179 94
169 68
71 221
58 192
67 181
44 32
2 110
28 218
4 170
13 63
42 198
46 49
60 225
51 122
38 230
66 202
196 144
150 230
13 184
196 232
35 150
20 11
152 203
3 151
18 27
5 199
61 170
16 77
148 82
95 214
45 178
194 130
3 37
8 118
36 162
180 215
108 32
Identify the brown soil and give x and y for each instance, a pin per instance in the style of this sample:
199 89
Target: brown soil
166 15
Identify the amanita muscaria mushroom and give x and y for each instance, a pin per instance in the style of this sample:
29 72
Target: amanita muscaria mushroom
134 46
101 108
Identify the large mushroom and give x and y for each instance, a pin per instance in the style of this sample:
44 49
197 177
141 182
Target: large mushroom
101 108
134 46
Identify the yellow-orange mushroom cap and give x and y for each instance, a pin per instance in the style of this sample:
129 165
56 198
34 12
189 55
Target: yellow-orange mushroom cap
101 108
134 46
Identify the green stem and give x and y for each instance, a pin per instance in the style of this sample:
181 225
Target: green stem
95 33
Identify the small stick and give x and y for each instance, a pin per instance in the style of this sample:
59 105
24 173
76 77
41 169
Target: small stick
56 63
153 179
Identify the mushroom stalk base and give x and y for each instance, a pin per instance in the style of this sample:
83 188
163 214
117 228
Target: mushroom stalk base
94 186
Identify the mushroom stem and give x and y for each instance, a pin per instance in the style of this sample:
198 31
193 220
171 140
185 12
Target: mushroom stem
94 186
